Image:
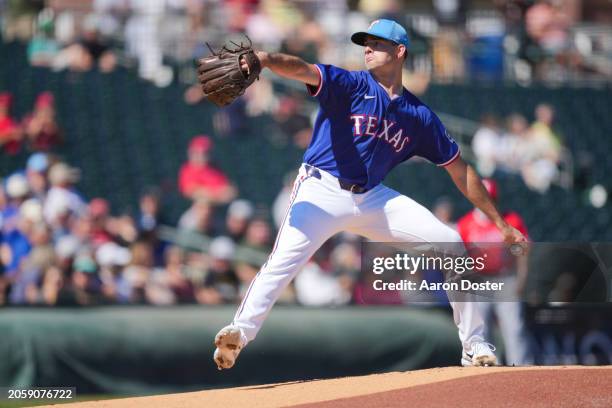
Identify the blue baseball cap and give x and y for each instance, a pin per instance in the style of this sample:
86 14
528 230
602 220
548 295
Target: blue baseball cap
385 29
38 162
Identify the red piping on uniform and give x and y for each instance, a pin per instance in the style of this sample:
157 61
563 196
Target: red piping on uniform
455 157
320 83
293 195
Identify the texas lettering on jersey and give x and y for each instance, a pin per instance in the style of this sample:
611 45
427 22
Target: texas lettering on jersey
361 133
372 126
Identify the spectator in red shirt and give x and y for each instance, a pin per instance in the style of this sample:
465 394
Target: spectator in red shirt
475 227
199 179
40 126
10 131
98 212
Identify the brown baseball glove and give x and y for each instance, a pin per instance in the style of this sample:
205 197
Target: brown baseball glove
221 76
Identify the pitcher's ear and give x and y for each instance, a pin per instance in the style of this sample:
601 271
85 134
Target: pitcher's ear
403 55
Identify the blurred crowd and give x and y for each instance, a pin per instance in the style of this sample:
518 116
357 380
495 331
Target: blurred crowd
534 151
38 130
58 248
451 40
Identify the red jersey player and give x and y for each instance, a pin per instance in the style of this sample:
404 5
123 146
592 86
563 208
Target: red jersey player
475 227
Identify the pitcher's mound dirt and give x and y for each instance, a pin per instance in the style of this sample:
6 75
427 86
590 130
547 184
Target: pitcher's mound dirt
490 387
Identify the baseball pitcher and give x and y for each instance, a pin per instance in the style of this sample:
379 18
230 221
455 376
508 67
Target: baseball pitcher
367 124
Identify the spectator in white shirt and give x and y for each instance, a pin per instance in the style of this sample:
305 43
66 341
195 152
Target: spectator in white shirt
62 196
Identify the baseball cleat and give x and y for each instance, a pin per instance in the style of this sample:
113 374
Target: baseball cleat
480 355
229 341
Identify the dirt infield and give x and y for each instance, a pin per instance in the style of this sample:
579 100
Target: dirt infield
574 386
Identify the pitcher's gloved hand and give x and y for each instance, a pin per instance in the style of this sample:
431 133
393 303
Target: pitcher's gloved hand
228 72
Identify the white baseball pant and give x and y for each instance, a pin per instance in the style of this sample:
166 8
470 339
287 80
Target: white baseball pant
318 209
511 324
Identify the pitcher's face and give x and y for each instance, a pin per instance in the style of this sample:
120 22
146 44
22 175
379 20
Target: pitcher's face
380 53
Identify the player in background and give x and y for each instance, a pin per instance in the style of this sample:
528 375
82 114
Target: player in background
476 227
367 124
